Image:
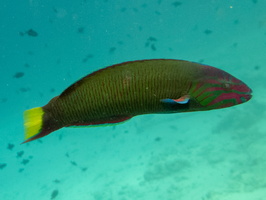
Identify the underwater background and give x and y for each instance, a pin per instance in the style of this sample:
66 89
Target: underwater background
214 155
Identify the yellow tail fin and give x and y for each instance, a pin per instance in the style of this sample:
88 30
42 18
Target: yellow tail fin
33 120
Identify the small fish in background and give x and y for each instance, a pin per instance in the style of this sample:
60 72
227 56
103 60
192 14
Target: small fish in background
112 50
177 3
54 194
21 170
10 146
208 32
56 181
23 89
89 56
29 32
81 30
151 43
25 161
18 75
73 163
20 154
2 165
119 92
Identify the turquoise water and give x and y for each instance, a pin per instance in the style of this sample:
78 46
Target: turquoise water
214 155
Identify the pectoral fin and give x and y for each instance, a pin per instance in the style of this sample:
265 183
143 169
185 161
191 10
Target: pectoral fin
182 100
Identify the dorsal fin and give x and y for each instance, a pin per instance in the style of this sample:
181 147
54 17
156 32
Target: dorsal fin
71 88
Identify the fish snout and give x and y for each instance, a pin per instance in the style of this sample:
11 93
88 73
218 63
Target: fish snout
246 93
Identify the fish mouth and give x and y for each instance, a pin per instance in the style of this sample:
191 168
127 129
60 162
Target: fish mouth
249 92
247 95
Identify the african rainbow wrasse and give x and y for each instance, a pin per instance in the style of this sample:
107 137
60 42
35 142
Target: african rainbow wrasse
120 92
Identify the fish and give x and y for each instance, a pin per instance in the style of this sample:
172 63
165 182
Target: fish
32 33
119 92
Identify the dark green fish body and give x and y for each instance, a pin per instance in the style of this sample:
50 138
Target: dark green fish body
130 89
122 91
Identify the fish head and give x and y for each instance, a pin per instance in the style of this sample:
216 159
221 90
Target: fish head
218 89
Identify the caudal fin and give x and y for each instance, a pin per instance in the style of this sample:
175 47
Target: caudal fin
33 121
35 125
